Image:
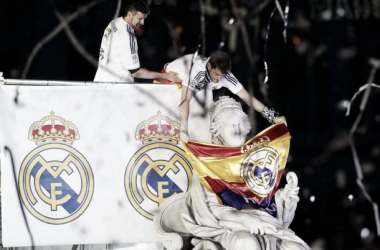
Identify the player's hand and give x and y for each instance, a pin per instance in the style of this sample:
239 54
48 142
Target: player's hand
173 77
184 137
280 119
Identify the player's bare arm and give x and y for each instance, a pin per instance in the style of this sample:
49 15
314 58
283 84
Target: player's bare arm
147 74
257 105
184 108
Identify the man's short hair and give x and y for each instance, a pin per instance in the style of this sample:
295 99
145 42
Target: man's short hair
221 61
137 5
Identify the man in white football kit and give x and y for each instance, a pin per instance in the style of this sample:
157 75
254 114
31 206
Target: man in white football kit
118 57
212 73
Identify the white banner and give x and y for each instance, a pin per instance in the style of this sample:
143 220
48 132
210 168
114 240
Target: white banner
90 165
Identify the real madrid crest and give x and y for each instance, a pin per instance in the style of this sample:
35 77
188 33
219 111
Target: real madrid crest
159 169
260 170
55 180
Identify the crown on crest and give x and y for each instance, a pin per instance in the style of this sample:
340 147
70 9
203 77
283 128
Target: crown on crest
55 129
158 128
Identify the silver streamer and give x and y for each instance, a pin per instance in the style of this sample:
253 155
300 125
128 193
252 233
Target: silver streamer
365 86
259 9
359 172
265 48
203 27
118 7
284 16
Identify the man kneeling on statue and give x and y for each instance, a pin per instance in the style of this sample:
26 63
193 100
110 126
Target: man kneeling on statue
234 202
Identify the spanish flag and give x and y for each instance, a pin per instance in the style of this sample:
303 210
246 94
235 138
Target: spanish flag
243 177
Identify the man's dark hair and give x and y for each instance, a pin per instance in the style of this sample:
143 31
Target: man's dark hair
137 5
220 60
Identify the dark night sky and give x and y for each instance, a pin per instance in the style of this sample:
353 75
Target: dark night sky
323 63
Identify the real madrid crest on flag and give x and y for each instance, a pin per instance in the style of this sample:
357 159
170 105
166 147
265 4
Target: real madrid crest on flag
260 169
159 169
55 180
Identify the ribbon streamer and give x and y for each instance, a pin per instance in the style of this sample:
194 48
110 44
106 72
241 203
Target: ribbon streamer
365 86
375 66
265 47
284 16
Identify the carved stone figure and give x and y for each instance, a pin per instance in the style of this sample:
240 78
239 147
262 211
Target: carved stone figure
213 225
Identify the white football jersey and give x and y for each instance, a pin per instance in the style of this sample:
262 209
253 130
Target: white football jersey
199 77
118 53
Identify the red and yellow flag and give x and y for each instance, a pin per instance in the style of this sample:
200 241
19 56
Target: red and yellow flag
244 177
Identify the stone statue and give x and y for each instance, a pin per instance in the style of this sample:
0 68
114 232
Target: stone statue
199 213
